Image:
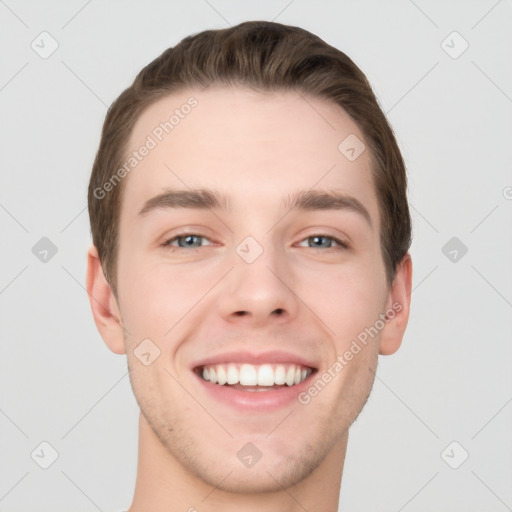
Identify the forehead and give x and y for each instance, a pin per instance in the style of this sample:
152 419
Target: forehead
255 147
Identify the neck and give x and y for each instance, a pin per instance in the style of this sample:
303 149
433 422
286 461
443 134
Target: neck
163 485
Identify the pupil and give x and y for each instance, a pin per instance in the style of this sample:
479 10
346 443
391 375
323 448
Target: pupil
189 240
317 239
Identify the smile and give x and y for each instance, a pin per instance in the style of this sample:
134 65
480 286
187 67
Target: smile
255 377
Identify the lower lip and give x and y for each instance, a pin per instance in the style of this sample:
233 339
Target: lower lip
260 401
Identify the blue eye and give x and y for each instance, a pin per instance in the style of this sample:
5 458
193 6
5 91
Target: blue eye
193 241
187 240
322 241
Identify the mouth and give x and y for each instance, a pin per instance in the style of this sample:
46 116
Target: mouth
258 388
250 377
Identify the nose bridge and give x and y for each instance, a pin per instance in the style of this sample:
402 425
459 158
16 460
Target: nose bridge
259 284
256 264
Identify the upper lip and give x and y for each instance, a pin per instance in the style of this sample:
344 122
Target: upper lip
273 356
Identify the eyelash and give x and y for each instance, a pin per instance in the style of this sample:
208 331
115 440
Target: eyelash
342 245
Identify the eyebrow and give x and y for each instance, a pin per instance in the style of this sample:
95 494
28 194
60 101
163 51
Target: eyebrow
206 199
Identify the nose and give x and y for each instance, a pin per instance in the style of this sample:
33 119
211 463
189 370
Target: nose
260 292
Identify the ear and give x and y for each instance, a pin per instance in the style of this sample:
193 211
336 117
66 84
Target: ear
398 306
104 304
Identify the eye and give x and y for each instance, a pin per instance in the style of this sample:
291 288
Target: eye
194 241
325 241
186 240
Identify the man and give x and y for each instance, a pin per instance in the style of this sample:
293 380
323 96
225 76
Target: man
251 232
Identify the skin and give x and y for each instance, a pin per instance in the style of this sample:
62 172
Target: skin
257 148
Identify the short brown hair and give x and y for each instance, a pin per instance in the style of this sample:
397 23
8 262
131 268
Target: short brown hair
264 56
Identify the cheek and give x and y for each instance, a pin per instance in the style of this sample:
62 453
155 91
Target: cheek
347 299
156 294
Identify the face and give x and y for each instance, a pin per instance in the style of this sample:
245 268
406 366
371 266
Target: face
258 286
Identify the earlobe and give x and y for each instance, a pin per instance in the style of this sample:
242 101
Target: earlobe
398 308
104 304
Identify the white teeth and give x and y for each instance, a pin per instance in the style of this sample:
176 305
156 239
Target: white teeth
248 375
290 376
233 377
266 375
221 375
280 375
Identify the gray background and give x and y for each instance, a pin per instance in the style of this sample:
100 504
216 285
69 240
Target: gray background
451 379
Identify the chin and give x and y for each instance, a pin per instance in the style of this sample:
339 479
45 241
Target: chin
261 478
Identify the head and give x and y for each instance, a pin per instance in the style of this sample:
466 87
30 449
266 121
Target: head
265 116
